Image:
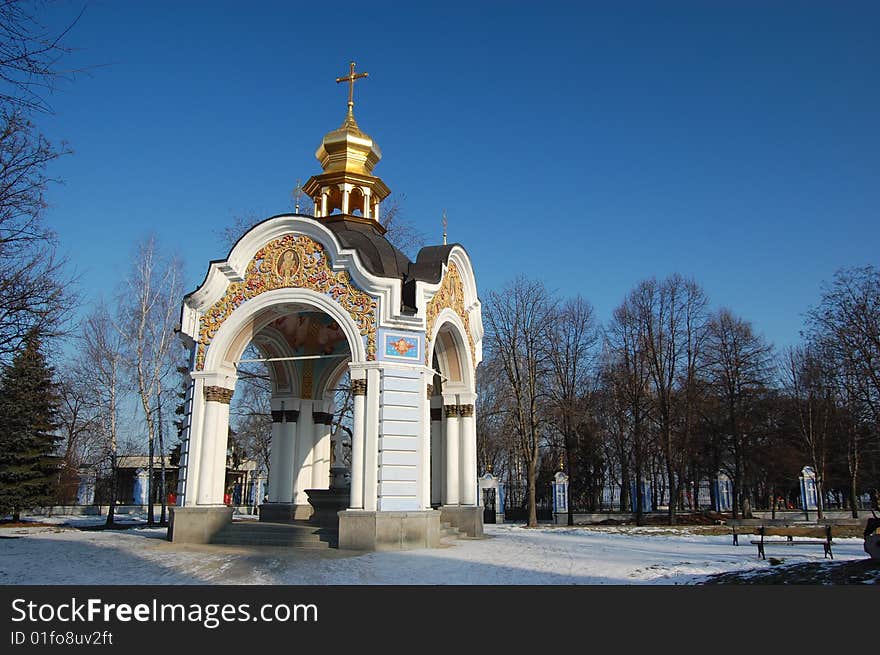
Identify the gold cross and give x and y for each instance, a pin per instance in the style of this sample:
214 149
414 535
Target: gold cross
350 78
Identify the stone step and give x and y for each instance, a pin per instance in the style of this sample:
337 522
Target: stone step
291 535
448 534
286 543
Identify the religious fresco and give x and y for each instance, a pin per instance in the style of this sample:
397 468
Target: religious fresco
450 295
293 261
311 333
401 346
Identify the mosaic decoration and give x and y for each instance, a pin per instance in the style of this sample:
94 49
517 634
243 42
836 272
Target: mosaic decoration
401 347
291 261
450 295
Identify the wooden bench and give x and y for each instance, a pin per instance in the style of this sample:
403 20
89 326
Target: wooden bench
743 526
789 532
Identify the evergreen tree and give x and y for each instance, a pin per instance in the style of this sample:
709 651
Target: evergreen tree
28 408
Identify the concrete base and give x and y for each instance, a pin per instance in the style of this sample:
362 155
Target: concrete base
467 519
363 530
281 512
197 525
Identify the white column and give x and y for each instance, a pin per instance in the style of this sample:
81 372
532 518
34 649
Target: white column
367 202
371 441
425 473
321 460
215 432
288 469
468 455
358 389
453 437
302 462
324 194
276 462
346 196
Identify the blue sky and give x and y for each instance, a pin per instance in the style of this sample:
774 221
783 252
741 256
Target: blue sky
591 145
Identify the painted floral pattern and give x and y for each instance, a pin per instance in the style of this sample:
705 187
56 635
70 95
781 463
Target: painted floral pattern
451 296
291 261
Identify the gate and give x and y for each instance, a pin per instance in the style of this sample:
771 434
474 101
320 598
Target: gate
489 506
516 503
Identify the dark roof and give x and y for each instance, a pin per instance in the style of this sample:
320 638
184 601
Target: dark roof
377 254
382 259
428 266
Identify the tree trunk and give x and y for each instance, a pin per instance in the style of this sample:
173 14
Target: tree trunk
150 517
533 514
670 479
162 494
625 502
853 461
570 520
114 483
640 508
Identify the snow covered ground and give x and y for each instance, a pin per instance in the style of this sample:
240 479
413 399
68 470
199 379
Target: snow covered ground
62 554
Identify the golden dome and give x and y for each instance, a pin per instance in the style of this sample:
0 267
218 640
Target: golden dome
348 149
347 187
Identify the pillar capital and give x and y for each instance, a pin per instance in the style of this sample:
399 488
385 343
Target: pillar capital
218 395
466 410
359 387
430 390
451 411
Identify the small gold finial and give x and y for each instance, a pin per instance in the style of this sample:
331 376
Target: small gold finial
350 78
445 223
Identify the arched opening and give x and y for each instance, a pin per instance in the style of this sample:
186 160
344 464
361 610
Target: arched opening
356 202
287 361
453 432
334 201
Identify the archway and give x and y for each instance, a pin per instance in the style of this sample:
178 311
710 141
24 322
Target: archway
305 336
454 485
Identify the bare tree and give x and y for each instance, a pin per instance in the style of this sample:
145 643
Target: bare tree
79 425
856 424
102 349
738 367
229 235
673 313
573 336
848 316
518 319
811 387
628 371
847 323
30 57
34 292
33 288
251 413
151 303
496 444
399 230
